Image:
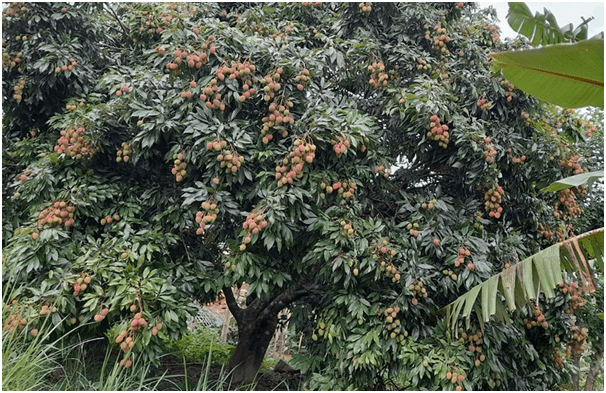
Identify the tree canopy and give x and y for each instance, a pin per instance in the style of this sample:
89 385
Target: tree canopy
358 164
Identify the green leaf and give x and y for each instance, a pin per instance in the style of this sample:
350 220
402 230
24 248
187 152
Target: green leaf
543 29
570 76
574 181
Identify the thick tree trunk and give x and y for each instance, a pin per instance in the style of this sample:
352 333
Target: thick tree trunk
257 324
253 341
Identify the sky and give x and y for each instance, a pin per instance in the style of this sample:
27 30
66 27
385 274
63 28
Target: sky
565 13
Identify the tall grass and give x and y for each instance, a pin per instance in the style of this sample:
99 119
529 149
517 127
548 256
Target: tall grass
26 364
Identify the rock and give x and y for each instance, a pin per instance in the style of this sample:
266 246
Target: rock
283 367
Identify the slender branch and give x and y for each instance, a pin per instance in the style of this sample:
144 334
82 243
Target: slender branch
185 246
235 310
115 16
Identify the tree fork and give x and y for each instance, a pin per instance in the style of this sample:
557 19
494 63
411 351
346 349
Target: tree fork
257 324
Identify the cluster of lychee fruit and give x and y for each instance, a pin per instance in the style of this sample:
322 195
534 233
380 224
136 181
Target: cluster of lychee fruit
429 205
74 143
365 8
378 76
23 177
536 319
562 232
423 64
546 232
255 223
59 213
292 166
437 131
11 62
557 359
515 160
81 284
316 4
483 104
478 221
572 164
72 105
450 273
440 39
179 167
18 88
46 310
384 254
121 89
340 146
579 336
101 315
279 115
566 199
191 60
394 325
492 204
575 301
208 216
109 219
320 326
413 229
454 376
212 97
591 129
15 10
508 89
124 153
464 253
187 93
271 83
17 320
418 290
230 160
302 79
344 188
493 29
347 229
381 170
475 341
68 65
489 151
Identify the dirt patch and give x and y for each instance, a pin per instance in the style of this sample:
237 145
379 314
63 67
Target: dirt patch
174 371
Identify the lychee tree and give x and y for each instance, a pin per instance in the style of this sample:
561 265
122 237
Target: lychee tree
215 144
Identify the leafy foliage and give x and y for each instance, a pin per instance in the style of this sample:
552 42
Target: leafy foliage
231 143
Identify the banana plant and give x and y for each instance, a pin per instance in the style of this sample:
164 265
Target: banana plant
567 71
543 29
540 273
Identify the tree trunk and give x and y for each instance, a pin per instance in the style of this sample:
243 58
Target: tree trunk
594 371
257 324
253 341
576 361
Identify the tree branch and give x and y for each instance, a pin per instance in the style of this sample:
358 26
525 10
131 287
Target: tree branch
232 304
113 14
290 295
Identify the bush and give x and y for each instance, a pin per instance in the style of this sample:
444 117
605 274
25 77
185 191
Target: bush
199 344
